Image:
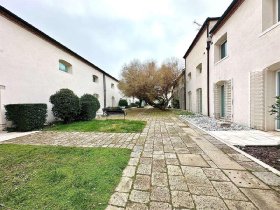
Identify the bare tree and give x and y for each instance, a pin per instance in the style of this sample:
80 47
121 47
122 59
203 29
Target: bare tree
149 82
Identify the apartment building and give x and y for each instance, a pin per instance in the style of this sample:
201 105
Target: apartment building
244 64
33 66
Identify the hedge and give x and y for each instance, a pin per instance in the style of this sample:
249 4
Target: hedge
66 105
123 102
26 117
89 106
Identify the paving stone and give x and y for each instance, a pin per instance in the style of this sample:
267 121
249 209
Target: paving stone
195 175
209 202
144 169
227 190
239 205
133 161
217 156
192 160
263 199
147 161
160 206
170 155
245 179
147 154
159 166
215 174
129 171
159 179
178 183
252 166
172 161
136 206
160 194
268 178
202 190
124 185
195 150
119 199
174 170
142 182
182 199
139 196
113 208
239 157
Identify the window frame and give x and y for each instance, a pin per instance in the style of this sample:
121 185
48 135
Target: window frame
64 66
223 50
94 78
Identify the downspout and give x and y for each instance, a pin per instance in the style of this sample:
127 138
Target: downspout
185 89
104 89
209 41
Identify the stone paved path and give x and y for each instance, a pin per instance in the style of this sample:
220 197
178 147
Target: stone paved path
174 166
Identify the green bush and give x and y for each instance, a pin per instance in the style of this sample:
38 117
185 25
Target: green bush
123 102
89 106
66 105
26 117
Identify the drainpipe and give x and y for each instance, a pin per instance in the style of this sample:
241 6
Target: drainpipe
209 42
104 89
185 90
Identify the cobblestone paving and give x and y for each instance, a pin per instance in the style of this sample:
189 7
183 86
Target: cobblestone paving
174 166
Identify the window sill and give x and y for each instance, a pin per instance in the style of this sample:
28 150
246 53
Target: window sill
221 60
269 29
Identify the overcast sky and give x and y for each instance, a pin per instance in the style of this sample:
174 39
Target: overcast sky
110 33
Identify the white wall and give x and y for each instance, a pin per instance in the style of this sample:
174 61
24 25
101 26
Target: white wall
249 49
29 69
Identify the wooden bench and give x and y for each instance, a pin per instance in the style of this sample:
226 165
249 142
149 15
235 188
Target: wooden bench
114 111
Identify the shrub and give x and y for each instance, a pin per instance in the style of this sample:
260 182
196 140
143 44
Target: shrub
89 106
66 105
123 102
175 103
26 117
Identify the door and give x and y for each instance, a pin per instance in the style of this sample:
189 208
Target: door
277 123
223 101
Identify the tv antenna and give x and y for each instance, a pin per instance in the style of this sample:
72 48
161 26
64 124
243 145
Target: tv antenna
197 24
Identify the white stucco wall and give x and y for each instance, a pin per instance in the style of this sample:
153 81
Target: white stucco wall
197 56
30 73
249 49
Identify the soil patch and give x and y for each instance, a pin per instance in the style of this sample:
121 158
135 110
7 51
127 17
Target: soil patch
268 154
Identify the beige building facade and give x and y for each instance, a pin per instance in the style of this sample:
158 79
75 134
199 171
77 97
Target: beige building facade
33 66
244 64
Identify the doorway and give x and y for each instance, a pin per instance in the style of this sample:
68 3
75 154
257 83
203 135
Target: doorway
277 121
223 110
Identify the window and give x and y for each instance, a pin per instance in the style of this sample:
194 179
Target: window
277 6
112 85
64 66
189 76
221 48
94 78
224 50
199 69
270 13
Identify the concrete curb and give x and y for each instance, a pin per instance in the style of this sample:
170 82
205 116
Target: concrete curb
273 170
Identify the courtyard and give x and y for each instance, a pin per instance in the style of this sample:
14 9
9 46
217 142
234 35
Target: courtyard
174 165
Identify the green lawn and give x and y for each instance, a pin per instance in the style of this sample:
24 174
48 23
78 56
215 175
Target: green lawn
47 177
112 126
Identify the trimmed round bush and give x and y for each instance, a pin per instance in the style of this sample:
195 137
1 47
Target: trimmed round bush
89 106
66 105
123 102
26 117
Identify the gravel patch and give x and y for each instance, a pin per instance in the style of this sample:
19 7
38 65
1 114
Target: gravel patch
211 124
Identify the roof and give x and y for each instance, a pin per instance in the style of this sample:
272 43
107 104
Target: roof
11 16
199 34
227 14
